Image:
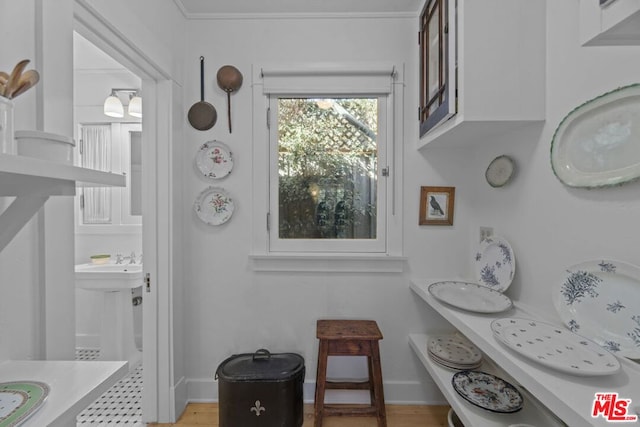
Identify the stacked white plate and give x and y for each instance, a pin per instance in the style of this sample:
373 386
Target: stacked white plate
454 352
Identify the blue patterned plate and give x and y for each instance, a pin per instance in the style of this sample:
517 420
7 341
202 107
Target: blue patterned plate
600 300
495 263
554 347
487 391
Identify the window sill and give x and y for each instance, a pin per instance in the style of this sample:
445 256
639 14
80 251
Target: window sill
336 263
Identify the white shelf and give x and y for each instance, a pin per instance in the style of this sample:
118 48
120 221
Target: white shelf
532 412
569 397
19 174
32 181
74 386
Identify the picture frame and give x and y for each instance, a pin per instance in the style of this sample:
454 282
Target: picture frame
436 205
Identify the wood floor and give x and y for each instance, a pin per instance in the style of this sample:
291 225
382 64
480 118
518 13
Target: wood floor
206 414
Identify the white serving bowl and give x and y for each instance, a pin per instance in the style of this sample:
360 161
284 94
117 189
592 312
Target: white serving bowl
45 145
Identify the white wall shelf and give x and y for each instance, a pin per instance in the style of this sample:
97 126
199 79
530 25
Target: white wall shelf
32 181
74 385
501 64
532 412
567 396
616 24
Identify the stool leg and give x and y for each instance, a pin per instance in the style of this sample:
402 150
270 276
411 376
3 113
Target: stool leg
321 381
378 391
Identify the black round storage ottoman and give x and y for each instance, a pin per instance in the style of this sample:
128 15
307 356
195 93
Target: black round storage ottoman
261 389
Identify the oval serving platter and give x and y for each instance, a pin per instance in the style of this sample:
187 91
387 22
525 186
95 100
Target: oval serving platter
487 391
595 145
600 300
554 347
470 296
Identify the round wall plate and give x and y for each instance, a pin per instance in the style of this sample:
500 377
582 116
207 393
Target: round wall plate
500 171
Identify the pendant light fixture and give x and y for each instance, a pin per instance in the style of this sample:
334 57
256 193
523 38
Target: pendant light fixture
113 105
135 106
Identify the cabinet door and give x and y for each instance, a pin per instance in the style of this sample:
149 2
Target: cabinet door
437 63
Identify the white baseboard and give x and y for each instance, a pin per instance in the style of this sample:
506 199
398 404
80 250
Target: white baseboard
179 399
395 392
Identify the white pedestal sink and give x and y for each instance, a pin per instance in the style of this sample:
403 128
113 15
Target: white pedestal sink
115 281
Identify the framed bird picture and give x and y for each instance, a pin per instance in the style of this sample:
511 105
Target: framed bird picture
436 205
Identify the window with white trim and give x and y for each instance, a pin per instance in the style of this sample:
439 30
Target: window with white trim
329 133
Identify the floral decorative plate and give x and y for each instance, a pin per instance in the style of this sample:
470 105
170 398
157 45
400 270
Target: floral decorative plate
487 391
495 263
554 347
470 296
600 300
19 400
214 206
214 160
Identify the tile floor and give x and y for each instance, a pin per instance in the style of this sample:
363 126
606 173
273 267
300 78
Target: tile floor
118 406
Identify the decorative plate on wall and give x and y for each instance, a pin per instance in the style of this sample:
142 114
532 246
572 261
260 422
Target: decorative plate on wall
214 160
600 300
596 144
19 400
495 263
500 171
214 206
554 347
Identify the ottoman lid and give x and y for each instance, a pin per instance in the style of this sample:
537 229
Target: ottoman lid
260 366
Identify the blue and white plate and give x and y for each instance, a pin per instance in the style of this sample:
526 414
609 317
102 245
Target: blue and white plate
600 300
554 347
487 391
19 400
495 263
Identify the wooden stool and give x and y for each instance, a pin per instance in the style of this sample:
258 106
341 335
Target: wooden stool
350 338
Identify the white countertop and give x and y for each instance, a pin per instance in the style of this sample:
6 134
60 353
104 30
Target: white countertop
74 385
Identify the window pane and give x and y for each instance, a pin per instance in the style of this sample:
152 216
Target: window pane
327 163
434 53
96 155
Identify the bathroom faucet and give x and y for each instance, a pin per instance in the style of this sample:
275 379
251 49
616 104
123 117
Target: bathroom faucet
131 258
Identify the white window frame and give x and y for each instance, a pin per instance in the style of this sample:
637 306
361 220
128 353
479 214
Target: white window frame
334 80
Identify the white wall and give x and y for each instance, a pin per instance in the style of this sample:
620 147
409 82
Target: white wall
551 226
231 309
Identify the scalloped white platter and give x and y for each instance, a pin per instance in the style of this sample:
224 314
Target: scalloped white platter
554 347
495 264
470 296
600 300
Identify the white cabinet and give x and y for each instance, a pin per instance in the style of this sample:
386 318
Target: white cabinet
615 23
501 64
562 396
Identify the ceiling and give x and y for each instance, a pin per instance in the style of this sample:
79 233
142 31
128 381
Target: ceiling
204 8
87 56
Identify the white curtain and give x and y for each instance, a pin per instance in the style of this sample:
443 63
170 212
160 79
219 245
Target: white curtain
96 154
